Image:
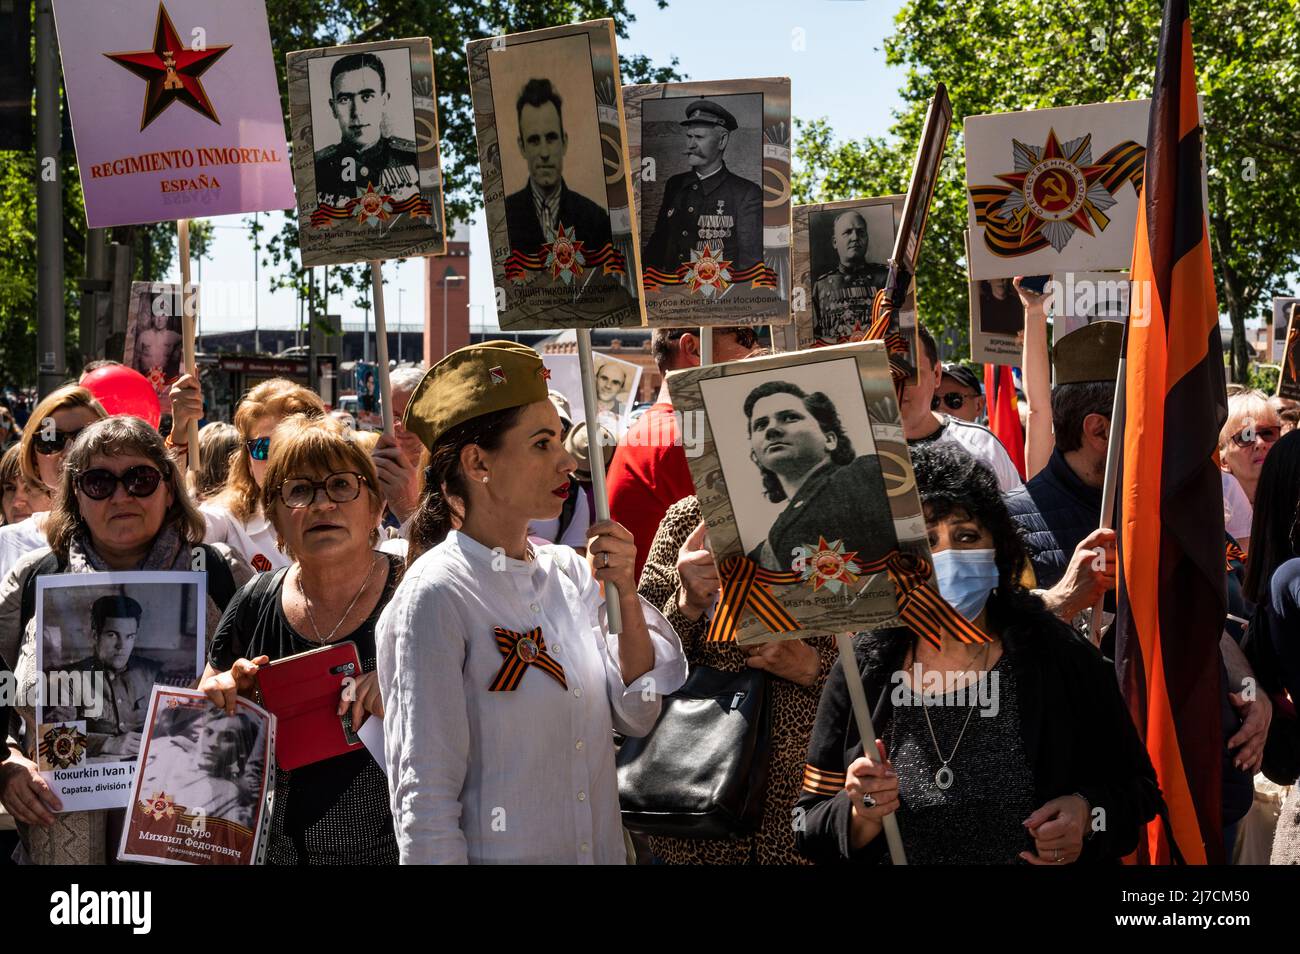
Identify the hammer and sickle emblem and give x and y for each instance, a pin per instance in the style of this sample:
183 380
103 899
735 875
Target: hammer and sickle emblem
898 478
1058 189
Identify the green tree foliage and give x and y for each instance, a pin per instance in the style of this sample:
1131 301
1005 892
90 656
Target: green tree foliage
1004 55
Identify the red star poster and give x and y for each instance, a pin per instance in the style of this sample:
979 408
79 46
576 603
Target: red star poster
1054 190
175 108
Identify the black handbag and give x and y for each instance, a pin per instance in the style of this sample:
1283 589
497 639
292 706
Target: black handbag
702 770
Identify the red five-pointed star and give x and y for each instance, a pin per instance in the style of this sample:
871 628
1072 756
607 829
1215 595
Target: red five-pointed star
172 71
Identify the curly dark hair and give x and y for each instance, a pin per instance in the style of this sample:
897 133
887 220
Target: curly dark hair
823 411
952 482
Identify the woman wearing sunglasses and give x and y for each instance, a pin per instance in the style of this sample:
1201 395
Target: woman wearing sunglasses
54 423
235 517
319 491
1251 430
122 505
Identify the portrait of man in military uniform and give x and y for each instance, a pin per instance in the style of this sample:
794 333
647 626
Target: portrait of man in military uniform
205 759
368 152
842 294
709 204
535 213
807 461
123 680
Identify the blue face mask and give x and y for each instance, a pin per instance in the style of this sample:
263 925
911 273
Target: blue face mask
966 578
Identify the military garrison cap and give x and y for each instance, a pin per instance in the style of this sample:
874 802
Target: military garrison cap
471 382
1089 354
705 112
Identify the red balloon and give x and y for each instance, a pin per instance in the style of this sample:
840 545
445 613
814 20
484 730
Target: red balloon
124 390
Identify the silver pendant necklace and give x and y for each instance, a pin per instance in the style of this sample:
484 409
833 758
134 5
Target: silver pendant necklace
943 778
323 640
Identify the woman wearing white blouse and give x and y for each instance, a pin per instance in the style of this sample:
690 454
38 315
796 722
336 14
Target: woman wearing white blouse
501 683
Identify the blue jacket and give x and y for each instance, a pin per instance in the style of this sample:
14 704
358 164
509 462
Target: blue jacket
1054 511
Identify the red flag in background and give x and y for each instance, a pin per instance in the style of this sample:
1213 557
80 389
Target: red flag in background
1004 412
1172 596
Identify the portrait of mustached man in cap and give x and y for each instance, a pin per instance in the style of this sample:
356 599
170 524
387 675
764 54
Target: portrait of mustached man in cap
709 205
536 212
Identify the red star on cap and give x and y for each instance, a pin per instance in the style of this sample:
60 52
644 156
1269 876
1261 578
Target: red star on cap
177 80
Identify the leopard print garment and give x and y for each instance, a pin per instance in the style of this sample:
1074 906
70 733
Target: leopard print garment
793 710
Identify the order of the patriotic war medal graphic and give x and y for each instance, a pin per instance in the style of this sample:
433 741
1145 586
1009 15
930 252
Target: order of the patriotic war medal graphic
1054 190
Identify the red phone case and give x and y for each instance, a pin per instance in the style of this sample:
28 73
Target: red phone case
303 692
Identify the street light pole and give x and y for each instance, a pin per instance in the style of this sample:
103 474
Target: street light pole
50 331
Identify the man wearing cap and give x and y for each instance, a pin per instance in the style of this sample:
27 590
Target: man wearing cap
841 300
1059 510
922 424
709 205
960 393
502 683
535 214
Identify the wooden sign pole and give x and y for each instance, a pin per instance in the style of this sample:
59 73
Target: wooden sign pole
381 344
862 715
189 311
596 455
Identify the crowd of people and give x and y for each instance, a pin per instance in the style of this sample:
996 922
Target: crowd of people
464 558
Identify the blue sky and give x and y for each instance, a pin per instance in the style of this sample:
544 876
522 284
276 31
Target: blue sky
831 49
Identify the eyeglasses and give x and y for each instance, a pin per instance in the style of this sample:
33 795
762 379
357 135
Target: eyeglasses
100 484
1247 436
259 448
55 444
340 487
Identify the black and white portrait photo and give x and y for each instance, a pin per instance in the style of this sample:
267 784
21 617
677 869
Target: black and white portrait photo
363 125
153 343
106 640
797 452
206 761
557 191
199 796
848 253
365 151
550 144
805 482
707 154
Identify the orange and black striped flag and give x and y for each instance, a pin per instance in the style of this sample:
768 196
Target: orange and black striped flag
1172 596
1004 412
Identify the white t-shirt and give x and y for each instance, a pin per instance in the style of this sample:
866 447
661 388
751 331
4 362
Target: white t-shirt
254 539
983 445
575 535
1237 511
19 539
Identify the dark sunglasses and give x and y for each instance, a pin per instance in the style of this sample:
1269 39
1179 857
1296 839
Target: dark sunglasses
100 484
56 443
259 449
953 400
340 487
1266 434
